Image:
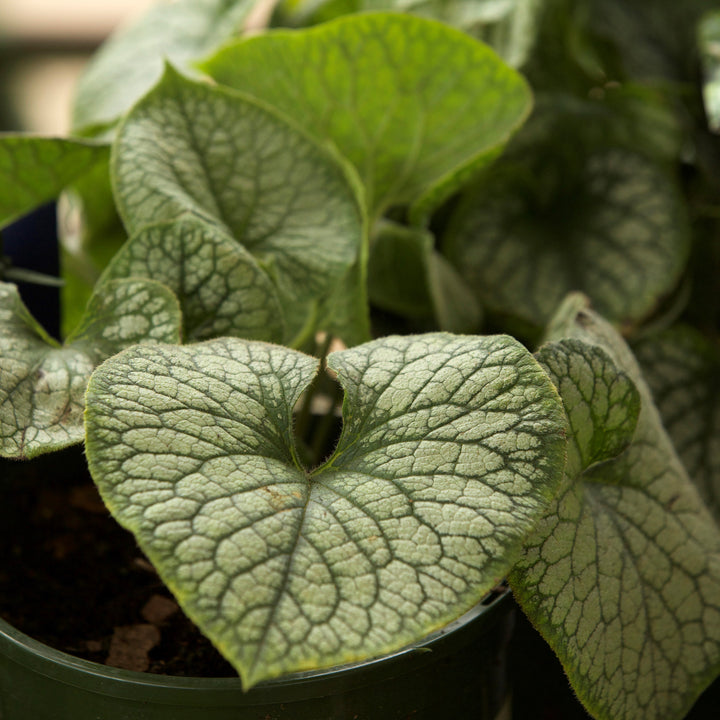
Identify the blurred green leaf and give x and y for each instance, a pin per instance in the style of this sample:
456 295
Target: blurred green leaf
131 62
415 105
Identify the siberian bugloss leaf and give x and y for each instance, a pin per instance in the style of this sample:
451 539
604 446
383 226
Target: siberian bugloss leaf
622 574
450 449
563 217
34 170
221 288
682 368
42 383
191 149
131 61
415 105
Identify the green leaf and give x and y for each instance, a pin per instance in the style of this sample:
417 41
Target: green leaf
131 62
454 303
562 214
221 288
451 447
407 276
601 402
415 105
656 40
397 271
188 148
682 368
509 27
622 575
346 310
34 170
90 233
42 384
709 41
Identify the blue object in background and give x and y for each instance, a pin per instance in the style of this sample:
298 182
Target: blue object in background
31 243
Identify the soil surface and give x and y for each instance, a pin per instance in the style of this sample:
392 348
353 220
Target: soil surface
72 578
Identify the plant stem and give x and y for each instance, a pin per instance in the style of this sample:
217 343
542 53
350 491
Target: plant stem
30 276
259 17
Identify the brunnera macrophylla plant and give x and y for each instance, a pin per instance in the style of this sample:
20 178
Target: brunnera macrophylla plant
384 181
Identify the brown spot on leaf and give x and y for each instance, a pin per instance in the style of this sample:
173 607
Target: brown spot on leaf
277 499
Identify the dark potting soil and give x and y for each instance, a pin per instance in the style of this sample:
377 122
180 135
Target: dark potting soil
72 578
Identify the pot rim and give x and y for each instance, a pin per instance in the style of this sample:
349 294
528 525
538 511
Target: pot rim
67 669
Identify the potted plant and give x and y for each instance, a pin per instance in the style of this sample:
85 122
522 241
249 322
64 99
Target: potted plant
365 184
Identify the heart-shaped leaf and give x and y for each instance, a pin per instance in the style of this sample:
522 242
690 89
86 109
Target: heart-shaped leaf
622 575
561 217
451 447
415 105
42 384
188 148
682 368
131 62
34 170
221 288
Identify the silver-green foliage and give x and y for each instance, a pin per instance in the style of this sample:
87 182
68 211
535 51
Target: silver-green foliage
190 149
563 211
450 449
42 383
221 288
682 368
622 574
250 203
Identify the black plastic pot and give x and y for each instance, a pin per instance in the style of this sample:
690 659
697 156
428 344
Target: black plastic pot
458 673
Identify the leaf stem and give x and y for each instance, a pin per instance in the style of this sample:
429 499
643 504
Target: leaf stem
10 273
259 17
31 276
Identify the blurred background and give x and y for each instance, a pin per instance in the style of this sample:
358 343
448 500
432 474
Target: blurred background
44 45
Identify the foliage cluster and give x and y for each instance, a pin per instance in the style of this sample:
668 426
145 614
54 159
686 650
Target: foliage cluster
441 188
